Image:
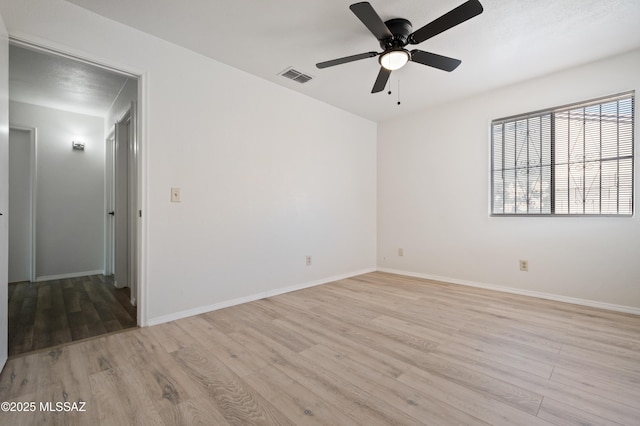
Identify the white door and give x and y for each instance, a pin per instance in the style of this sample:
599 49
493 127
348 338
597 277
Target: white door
121 207
126 203
4 191
20 213
134 212
109 249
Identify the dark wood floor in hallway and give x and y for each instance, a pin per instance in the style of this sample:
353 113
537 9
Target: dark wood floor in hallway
50 313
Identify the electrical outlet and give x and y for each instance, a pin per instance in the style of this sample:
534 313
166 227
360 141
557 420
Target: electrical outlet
308 260
524 265
400 252
175 195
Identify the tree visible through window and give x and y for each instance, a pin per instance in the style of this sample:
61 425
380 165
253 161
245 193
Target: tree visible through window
574 160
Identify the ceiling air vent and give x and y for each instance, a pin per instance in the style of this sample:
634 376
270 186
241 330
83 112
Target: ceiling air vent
296 75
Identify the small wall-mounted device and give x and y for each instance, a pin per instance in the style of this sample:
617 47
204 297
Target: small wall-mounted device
77 146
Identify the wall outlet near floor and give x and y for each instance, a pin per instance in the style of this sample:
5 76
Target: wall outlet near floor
308 260
175 195
524 265
400 252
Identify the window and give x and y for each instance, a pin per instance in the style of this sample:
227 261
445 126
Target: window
574 160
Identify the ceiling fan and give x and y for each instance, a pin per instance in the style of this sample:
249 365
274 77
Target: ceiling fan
395 34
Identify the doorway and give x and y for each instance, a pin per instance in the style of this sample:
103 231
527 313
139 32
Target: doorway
80 279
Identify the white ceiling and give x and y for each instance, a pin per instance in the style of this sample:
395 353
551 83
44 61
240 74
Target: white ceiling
54 81
513 40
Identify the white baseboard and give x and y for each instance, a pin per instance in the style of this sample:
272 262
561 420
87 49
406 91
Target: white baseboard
251 298
71 275
540 295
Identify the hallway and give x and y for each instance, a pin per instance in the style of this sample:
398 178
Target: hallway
50 313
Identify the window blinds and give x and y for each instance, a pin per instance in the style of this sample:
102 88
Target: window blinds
574 160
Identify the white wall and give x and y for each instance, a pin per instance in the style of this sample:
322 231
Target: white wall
434 199
70 190
4 188
20 221
121 104
267 175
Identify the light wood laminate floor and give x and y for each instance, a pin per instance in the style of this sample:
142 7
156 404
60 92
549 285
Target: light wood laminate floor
376 349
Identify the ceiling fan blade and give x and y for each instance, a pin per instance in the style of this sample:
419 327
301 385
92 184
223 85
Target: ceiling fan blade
365 12
346 59
381 81
454 17
433 60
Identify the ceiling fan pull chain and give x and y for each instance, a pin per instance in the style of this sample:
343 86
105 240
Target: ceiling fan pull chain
398 91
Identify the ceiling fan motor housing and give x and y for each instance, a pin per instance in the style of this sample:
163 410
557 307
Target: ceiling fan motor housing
401 29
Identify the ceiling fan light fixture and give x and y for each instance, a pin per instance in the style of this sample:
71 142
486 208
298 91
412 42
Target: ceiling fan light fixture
394 59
